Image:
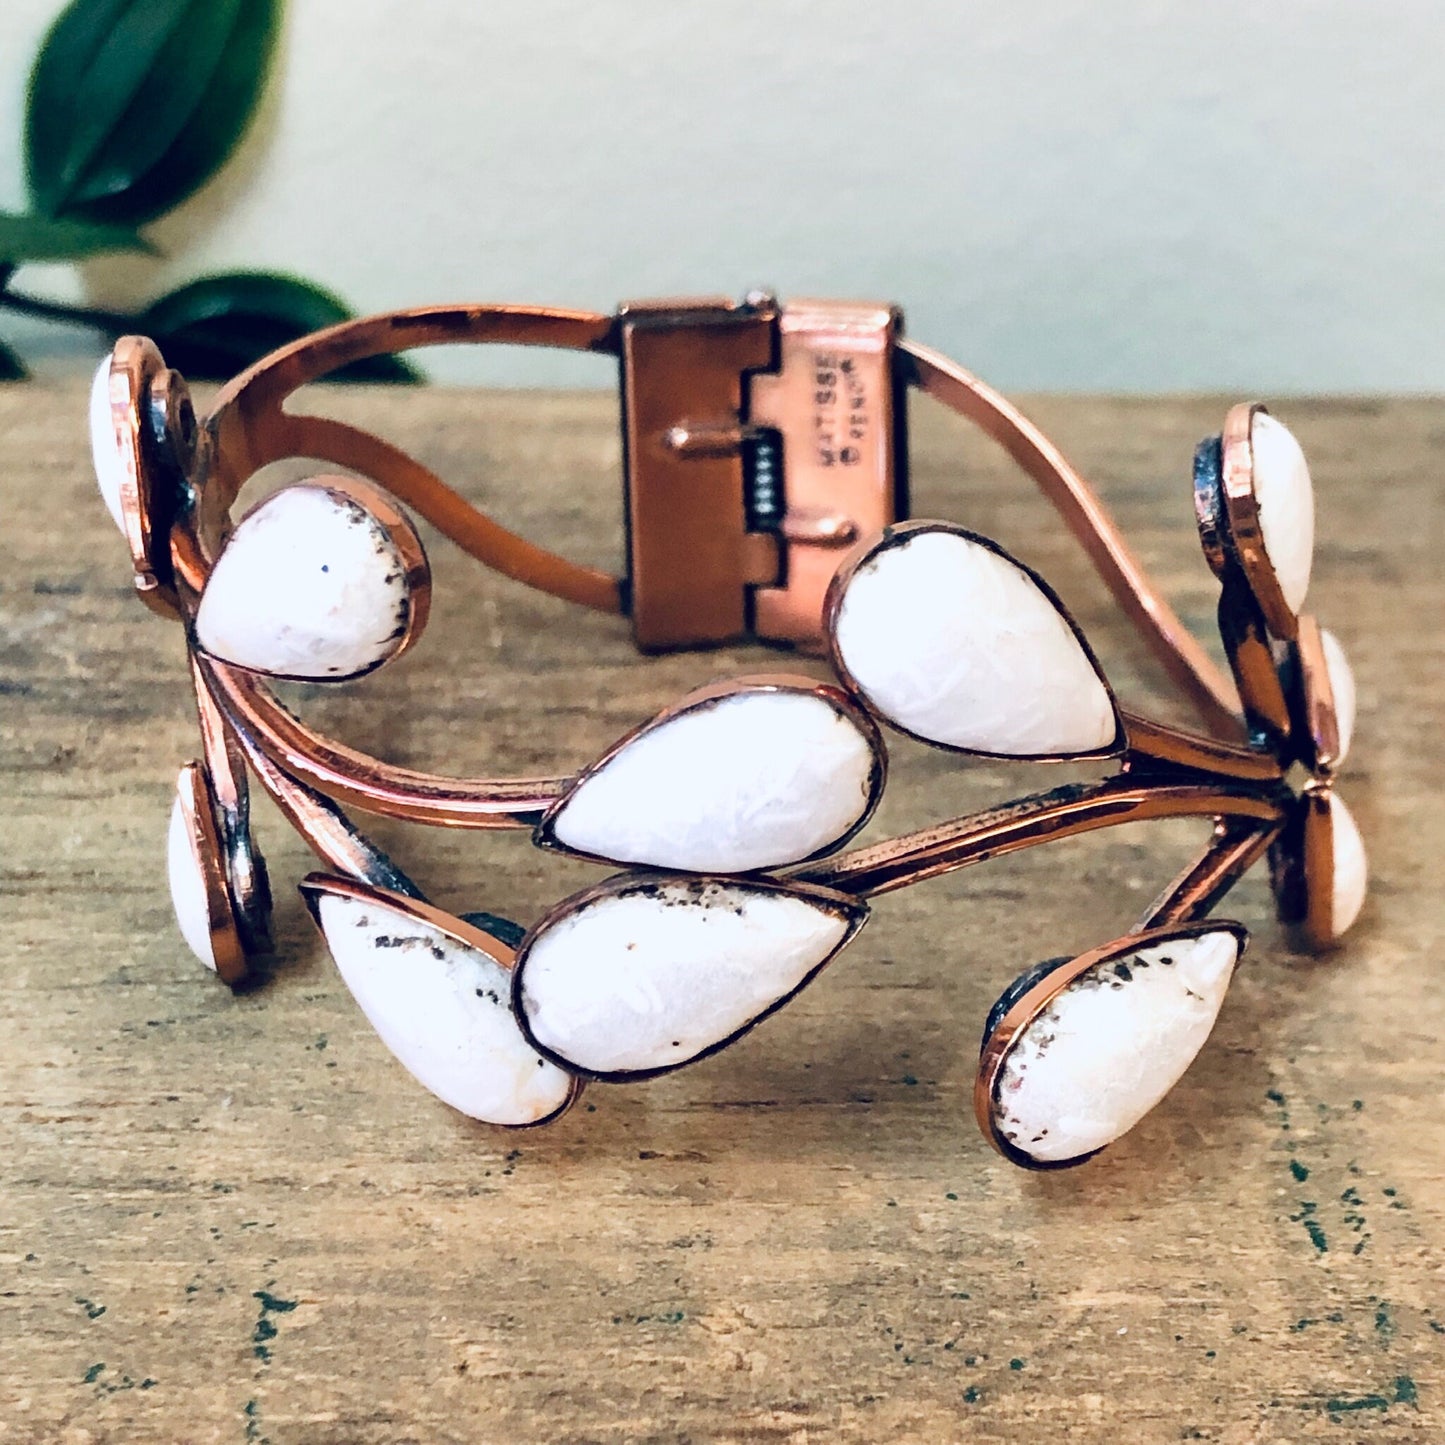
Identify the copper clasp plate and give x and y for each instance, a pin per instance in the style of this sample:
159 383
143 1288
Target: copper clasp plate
762 442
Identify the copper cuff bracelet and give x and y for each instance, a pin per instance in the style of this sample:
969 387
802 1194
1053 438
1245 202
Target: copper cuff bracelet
765 493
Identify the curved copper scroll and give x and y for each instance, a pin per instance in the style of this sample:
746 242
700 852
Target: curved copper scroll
1071 496
248 428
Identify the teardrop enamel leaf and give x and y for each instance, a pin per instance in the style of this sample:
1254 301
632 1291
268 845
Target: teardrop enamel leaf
1350 876
750 779
441 1005
190 897
104 452
310 585
644 974
955 642
1285 497
198 877
1342 689
1108 1046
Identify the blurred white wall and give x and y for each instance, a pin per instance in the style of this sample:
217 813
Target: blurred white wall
1081 194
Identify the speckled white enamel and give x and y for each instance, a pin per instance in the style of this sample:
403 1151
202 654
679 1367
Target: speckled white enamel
188 888
749 781
1285 497
443 1008
104 454
651 977
1108 1048
309 585
1351 869
1342 685
957 644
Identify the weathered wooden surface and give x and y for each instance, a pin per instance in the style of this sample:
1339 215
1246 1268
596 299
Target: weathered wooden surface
236 1219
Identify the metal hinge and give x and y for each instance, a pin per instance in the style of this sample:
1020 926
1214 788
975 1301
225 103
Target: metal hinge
761 443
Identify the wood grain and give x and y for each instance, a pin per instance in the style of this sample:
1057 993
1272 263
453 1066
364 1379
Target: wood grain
236 1219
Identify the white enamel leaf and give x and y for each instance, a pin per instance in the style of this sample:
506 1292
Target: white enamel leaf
956 643
1351 869
1342 686
104 454
649 974
1110 1045
751 780
189 895
1285 496
309 585
443 1008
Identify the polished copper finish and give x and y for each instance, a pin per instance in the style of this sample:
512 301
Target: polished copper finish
836 403
248 428
135 369
1318 927
1152 742
1183 658
1062 812
1234 847
194 796
683 370
1245 537
247 883
1319 730
1302 868
1252 658
333 837
737 525
709 696
1025 1009
362 781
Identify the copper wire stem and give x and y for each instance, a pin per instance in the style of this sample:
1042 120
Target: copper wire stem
366 782
1152 742
1062 812
1181 654
1236 845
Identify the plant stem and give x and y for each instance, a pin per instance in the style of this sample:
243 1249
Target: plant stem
117 322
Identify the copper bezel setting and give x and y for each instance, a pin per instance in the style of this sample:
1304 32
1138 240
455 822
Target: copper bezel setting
1244 536
193 792
707 696
1024 1010
851 910
314 886
899 535
383 511
722 358
1318 724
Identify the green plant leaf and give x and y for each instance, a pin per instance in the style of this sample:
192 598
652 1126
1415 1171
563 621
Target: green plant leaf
219 325
40 238
11 366
134 104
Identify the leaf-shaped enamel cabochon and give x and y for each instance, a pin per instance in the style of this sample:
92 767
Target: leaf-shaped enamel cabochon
1086 1048
645 973
438 992
1285 498
737 777
105 452
323 581
955 642
196 873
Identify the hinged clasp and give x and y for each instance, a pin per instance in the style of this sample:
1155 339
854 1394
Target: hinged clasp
761 443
